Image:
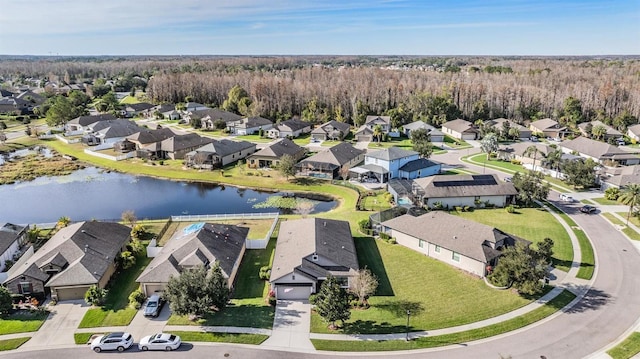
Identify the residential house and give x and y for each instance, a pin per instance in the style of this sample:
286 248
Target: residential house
460 129
619 177
249 125
30 96
450 191
80 125
459 242
549 128
364 134
76 257
332 130
209 117
327 164
109 131
289 128
147 143
199 244
393 162
165 111
435 134
586 129
633 132
270 156
515 151
308 251
136 109
194 106
219 153
176 147
14 105
499 125
12 238
600 152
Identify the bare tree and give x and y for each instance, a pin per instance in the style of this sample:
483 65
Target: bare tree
129 217
304 207
363 284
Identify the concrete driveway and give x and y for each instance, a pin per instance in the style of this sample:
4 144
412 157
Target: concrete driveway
142 326
58 329
291 326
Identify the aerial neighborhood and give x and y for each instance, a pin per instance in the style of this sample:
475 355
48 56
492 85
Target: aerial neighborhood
444 217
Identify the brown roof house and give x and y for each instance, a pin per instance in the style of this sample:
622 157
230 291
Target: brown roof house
249 125
586 128
619 177
332 130
307 252
219 153
270 156
290 128
460 129
176 147
12 239
459 242
75 258
599 151
549 128
500 124
327 164
199 244
448 191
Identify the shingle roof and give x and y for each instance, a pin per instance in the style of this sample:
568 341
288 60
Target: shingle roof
364 130
595 149
89 248
141 106
181 142
212 242
87 120
519 148
216 114
151 136
635 129
544 124
383 119
224 147
251 122
9 233
499 123
332 125
445 186
418 164
281 147
294 124
610 130
391 153
116 128
453 233
459 126
337 155
299 239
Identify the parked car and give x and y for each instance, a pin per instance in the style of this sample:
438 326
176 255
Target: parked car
565 198
507 179
160 341
119 341
154 306
533 139
588 209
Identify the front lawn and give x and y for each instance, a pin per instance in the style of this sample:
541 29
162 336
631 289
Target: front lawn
630 232
438 295
533 224
11 344
548 309
253 339
82 338
628 348
22 322
116 310
605 202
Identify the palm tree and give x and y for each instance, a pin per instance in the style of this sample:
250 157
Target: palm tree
631 197
553 160
63 222
599 132
377 132
527 152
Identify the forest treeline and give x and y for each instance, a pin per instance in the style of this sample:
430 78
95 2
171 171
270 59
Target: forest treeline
349 88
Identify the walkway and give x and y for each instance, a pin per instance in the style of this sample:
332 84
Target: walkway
291 326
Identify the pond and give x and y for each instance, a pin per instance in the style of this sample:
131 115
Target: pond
92 193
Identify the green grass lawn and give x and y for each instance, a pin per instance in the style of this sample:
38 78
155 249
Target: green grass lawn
303 139
456 143
533 224
10 344
18 144
630 232
628 348
438 295
450 339
254 339
82 338
377 202
129 100
22 322
605 202
254 138
116 311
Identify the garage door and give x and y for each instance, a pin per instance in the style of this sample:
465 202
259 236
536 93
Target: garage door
469 136
153 288
293 293
71 293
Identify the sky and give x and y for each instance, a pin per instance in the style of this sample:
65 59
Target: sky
320 27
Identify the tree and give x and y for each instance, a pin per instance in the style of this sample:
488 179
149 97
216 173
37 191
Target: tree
377 132
108 102
514 133
572 111
363 284
530 186
533 149
126 260
63 222
304 207
287 166
553 159
129 217
237 100
489 144
579 173
631 197
599 132
95 295
523 267
197 291
612 193
6 301
61 111
421 141
332 302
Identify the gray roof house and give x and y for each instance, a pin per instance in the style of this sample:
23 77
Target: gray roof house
459 242
599 151
634 132
249 125
176 147
219 153
332 130
209 117
463 190
289 128
198 244
110 131
327 164
549 128
80 124
619 177
435 134
460 129
308 251
270 155
610 131
76 257
499 124
12 238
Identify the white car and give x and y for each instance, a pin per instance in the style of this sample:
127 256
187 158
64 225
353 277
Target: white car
160 341
119 341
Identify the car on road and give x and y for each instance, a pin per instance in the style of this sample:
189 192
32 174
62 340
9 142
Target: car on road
588 209
160 341
154 306
119 341
565 198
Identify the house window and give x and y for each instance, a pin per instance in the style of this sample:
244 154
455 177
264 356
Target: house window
455 256
25 287
420 243
437 249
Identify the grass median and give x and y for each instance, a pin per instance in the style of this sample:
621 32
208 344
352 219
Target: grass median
11 344
254 339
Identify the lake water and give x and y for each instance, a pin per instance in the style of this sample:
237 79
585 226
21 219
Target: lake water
93 194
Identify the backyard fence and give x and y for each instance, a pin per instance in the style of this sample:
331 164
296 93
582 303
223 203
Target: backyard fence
221 217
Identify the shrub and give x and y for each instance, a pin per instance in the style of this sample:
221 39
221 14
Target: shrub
384 236
458 208
136 298
467 209
612 193
95 295
438 205
510 209
364 224
265 272
161 162
312 299
392 241
516 162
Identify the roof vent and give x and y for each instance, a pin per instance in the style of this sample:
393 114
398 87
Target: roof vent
455 237
342 247
314 257
325 223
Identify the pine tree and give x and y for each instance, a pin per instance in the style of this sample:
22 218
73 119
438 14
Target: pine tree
332 302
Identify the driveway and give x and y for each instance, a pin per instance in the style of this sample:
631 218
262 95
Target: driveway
58 329
142 326
291 326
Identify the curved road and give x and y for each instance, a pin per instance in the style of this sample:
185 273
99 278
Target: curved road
608 310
